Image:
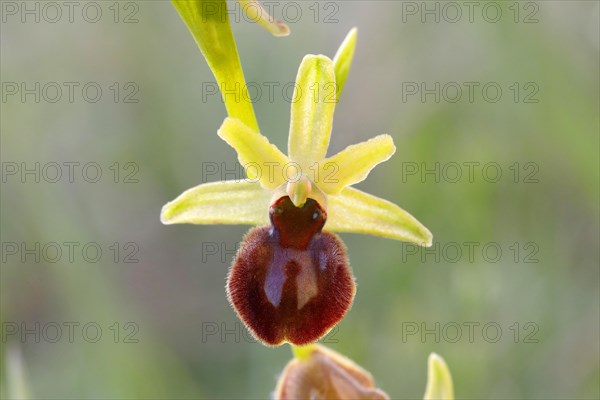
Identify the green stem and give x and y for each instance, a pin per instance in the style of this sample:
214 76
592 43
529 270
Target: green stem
302 352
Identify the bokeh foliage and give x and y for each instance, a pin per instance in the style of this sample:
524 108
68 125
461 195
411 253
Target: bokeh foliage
173 293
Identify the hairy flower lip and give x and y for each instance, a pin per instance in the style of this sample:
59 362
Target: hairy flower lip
290 282
287 294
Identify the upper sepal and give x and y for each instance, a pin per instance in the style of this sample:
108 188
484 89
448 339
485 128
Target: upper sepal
312 110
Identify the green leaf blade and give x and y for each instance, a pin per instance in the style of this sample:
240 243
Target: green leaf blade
208 21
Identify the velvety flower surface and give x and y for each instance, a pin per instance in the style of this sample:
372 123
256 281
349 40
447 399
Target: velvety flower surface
291 280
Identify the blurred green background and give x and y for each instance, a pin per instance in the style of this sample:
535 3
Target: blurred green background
190 343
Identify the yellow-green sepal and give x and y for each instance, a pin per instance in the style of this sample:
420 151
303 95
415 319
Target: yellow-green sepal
313 105
354 211
227 202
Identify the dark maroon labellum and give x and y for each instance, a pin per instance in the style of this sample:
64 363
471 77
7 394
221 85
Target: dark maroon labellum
290 281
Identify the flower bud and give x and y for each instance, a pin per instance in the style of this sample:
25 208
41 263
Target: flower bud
321 373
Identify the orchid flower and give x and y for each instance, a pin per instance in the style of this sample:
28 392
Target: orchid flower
291 280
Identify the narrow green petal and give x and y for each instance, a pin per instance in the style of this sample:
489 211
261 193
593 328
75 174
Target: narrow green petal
227 202
313 105
359 212
255 12
262 160
343 60
353 164
208 21
439 380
